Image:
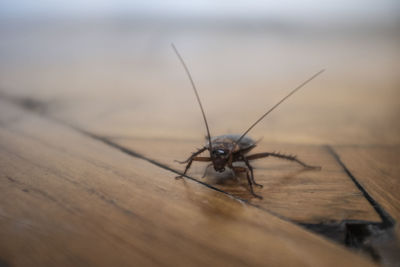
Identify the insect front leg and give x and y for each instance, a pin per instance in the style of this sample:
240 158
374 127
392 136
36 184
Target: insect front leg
194 154
205 170
192 158
243 169
281 156
251 172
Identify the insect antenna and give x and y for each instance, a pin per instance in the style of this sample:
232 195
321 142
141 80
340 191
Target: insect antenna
196 93
276 105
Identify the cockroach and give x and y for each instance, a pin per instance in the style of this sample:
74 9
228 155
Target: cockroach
224 150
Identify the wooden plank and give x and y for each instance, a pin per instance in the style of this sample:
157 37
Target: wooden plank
66 199
305 196
377 169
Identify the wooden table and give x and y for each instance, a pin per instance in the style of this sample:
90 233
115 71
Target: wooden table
93 115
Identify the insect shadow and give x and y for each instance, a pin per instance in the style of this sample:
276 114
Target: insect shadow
224 150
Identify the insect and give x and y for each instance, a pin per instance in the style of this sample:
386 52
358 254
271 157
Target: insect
224 150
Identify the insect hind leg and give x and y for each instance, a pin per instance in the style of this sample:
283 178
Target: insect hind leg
281 156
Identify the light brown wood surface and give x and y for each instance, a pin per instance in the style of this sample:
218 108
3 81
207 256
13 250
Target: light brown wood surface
306 196
92 115
67 199
377 168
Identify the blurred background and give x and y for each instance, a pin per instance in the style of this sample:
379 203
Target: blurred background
108 66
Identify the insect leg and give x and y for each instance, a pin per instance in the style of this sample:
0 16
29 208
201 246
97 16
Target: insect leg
192 156
190 160
251 172
205 171
190 163
281 156
243 169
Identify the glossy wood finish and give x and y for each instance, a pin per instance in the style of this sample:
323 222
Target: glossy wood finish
67 199
92 115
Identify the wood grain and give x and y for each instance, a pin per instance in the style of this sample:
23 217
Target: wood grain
377 168
306 196
67 199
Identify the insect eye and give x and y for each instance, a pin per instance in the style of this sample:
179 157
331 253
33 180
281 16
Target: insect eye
221 152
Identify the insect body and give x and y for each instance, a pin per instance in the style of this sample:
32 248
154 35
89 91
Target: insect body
223 145
224 150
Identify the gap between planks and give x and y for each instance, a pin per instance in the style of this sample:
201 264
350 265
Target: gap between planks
387 220
35 107
39 108
102 198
